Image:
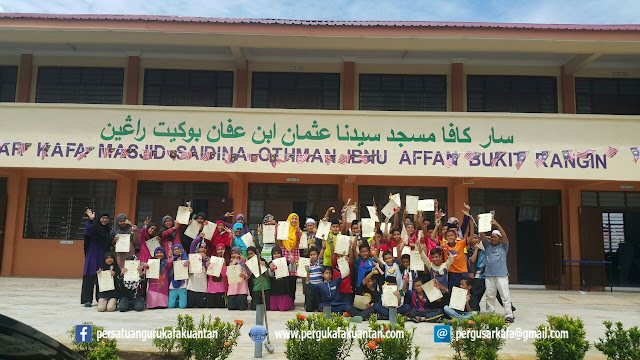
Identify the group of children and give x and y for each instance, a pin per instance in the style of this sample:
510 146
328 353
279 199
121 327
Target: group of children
350 282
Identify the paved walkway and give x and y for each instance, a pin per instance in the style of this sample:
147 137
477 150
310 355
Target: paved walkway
53 307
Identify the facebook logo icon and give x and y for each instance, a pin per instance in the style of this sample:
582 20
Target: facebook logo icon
83 333
441 333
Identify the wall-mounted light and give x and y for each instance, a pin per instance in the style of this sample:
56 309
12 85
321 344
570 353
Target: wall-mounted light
293 179
627 187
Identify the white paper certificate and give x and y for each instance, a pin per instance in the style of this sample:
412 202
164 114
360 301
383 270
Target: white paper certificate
389 299
193 230
153 272
373 214
396 199
342 244
432 292
484 222
152 245
123 243
233 274
248 239
268 234
368 228
252 264
361 302
458 298
208 229
132 270
302 270
426 205
304 241
105 281
351 214
389 209
180 271
183 215
343 267
215 266
412 204
283 230
281 270
324 227
195 263
416 261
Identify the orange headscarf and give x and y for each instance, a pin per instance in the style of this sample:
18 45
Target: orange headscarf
292 240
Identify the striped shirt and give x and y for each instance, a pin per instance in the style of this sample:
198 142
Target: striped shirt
315 272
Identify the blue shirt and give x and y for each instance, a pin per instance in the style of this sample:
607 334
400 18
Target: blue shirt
315 272
481 262
329 294
364 267
496 261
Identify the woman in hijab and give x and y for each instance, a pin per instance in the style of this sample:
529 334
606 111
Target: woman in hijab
96 242
123 226
237 239
221 236
132 292
167 233
149 231
158 289
107 300
242 220
291 250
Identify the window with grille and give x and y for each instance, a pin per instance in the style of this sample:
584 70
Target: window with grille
613 231
380 194
8 81
403 92
56 208
80 85
517 94
188 87
295 90
611 199
608 96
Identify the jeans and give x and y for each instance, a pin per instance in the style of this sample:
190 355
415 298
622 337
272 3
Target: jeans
362 313
453 313
404 309
179 295
127 304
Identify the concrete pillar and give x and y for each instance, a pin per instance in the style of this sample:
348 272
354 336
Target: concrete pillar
12 229
457 87
25 76
133 80
568 91
242 87
348 85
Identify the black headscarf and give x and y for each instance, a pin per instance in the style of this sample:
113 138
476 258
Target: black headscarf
112 267
99 233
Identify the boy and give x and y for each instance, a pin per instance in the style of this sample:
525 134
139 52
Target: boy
367 288
405 269
439 271
420 311
390 266
346 287
472 306
496 274
330 241
403 308
364 263
327 291
456 247
315 277
261 282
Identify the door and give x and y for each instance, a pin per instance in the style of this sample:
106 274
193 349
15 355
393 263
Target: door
218 207
553 245
506 216
166 206
591 247
3 218
280 209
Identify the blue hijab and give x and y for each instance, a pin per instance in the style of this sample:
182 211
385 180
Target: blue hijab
177 283
238 239
163 262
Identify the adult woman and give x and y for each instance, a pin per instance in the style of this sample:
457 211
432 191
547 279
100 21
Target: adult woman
123 226
290 249
96 243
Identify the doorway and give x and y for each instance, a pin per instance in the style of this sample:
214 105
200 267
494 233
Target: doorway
3 213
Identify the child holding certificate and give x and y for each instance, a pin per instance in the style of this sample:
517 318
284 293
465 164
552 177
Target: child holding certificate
237 291
328 292
420 311
197 284
280 299
403 307
132 292
177 288
149 231
107 300
341 264
367 291
123 226
261 282
237 241
315 277
168 232
472 304
158 289
217 284
291 250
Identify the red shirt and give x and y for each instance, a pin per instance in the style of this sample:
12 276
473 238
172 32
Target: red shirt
345 284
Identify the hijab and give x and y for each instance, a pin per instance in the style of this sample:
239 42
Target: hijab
132 285
115 230
163 262
164 228
268 218
245 227
112 267
202 215
238 239
221 237
100 234
177 283
292 239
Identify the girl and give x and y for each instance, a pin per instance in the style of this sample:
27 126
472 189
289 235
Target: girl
221 236
291 250
241 219
123 226
217 285
107 300
280 298
149 231
158 289
237 239
266 248
177 288
132 292
96 242
167 233
237 293
260 283
197 285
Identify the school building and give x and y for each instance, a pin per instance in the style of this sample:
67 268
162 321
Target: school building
140 114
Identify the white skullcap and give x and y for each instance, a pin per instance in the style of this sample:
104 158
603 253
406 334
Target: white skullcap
452 220
310 221
496 232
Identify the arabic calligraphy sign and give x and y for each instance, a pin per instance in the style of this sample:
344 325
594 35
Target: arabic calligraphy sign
354 143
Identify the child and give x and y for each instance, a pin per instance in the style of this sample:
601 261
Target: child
107 299
280 293
158 289
217 285
328 291
403 308
237 293
168 233
496 273
177 288
265 252
439 272
420 311
390 267
365 263
123 226
331 239
345 289
456 247
407 273
472 305
315 277
367 288
237 241
262 282
132 292
221 236
197 284
149 231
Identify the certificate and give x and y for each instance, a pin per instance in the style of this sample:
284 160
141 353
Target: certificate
385 226
411 204
208 229
373 214
215 266
421 236
253 266
361 302
195 263
368 228
343 267
153 272
268 234
132 270
302 270
233 274
389 299
152 245
123 242
324 227
283 230
183 215
416 261
484 222
281 268
248 239
427 205
458 298
193 230
406 250
432 292
351 214
396 198
180 271
304 242
389 209
342 244
105 281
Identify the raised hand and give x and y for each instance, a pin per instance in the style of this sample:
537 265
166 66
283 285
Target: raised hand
147 221
91 214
